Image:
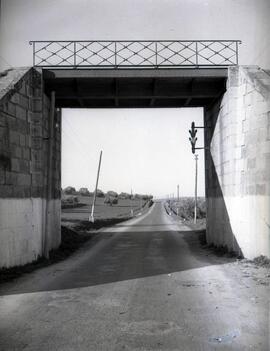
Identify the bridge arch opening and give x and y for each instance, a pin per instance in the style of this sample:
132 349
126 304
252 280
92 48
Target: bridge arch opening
145 151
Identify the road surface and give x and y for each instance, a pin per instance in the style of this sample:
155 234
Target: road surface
145 284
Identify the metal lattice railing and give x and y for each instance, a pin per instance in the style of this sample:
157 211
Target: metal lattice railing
127 54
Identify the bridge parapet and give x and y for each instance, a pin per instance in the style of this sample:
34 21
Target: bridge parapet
135 53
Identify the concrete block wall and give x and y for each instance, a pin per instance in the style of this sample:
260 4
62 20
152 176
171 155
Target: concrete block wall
29 212
238 164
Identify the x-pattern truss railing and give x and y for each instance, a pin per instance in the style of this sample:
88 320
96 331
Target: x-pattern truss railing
150 54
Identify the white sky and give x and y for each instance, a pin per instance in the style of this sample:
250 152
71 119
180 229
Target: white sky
148 148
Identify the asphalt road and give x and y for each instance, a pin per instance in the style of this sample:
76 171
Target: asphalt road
145 284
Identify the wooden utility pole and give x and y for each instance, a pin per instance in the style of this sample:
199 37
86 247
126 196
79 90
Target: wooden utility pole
131 204
196 181
91 218
178 193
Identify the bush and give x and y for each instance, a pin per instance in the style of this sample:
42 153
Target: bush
110 200
100 193
186 207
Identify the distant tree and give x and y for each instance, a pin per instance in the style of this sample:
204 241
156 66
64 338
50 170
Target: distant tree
112 193
100 193
84 192
70 190
124 196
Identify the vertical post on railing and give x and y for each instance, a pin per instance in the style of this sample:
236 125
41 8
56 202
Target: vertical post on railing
197 58
236 53
156 54
115 55
74 48
34 54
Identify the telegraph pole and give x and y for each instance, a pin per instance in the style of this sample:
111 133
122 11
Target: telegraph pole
131 204
91 218
178 193
196 181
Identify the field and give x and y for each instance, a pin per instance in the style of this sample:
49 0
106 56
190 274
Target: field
184 209
102 211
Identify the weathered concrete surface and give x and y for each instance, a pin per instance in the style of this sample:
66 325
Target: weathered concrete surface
29 224
238 164
23 229
139 286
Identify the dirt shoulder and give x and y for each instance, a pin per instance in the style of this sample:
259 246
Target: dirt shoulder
74 234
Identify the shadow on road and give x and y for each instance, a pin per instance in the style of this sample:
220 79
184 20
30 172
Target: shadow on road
119 256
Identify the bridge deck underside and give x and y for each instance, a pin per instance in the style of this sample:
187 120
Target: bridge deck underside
135 88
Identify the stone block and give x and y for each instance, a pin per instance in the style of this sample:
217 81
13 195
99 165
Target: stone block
251 190
11 178
38 191
37 104
26 153
29 90
22 140
244 126
28 142
23 179
263 107
248 99
17 152
24 166
37 179
10 108
37 92
35 118
243 151
251 163
22 126
36 130
22 88
249 87
2 177
3 132
15 165
22 191
2 119
37 143
15 98
11 122
14 137
24 102
260 189
233 77
21 113
36 155
6 191
36 166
